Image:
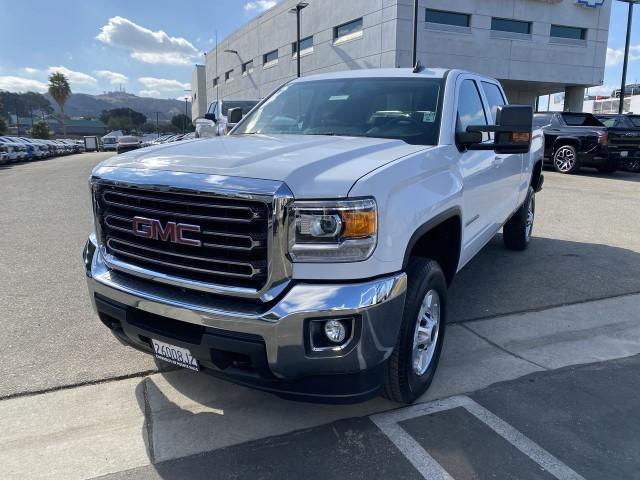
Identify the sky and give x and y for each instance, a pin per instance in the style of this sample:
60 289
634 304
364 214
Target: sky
149 48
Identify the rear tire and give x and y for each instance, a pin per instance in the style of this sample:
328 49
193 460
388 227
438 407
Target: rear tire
565 159
412 365
517 231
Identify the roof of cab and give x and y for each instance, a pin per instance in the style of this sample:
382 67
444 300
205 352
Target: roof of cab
377 72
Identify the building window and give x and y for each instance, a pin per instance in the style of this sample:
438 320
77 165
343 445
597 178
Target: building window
348 31
228 75
216 81
573 33
247 67
448 18
270 58
306 46
512 26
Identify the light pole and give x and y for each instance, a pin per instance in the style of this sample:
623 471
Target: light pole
626 53
414 49
297 9
186 103
157 129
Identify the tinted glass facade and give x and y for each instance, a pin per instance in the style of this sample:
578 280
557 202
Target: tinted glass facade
513 26
448 18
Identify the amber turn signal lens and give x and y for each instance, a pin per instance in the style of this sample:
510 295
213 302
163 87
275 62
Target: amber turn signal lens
359 224
524 137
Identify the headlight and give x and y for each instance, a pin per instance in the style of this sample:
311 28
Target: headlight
332 231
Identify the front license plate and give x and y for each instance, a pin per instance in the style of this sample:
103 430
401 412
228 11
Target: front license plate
624 154
176 355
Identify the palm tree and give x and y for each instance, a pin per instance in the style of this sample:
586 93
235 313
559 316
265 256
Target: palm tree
60 90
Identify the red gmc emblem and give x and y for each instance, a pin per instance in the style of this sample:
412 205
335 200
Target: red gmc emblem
172 232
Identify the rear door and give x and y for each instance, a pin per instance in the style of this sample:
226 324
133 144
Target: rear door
508 167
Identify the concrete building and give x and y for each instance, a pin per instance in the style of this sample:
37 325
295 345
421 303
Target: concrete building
199 103
535 47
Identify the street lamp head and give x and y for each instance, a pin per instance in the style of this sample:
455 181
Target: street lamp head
300 6
227 50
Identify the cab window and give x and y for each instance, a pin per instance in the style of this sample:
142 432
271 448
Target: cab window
470 110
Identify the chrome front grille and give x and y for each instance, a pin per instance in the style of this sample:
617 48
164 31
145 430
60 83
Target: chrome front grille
233 235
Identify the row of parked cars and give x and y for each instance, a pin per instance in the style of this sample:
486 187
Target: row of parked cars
606 142
17 149
126 143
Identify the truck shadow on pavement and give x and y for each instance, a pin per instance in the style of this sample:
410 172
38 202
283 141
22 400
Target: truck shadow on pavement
549 273
187 413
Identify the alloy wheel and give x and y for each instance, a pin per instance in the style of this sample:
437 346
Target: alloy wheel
565 159
426 333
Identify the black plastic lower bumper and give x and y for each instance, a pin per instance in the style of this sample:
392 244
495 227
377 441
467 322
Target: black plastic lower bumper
234 356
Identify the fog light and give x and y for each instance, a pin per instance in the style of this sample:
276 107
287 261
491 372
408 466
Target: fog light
335 331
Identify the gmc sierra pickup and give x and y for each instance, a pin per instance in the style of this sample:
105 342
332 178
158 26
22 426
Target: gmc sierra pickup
309 252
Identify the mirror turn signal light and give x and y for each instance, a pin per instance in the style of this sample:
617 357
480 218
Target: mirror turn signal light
521 137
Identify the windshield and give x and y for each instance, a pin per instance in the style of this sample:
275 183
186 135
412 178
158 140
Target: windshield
400 108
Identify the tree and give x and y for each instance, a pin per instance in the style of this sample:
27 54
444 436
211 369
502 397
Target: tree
123 119
40 130
60 91
180 120
3 126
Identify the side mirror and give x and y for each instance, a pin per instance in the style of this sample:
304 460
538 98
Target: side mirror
205 127
513 129
467 140
234 115
210 116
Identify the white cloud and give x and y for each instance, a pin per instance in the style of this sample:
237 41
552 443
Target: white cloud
162 84
259 5
73 76
20 84
30 70
146 45
114 78
149 93
615 56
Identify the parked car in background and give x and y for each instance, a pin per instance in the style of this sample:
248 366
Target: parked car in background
624 132
575 140
17 150
109 144
217 114
127 143
4 154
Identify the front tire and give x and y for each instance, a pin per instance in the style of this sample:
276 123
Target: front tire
517 231
565 159
412 365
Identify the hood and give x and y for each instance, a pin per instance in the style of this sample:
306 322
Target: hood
311 166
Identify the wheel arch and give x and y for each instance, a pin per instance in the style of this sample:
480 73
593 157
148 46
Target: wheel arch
561 141
440 239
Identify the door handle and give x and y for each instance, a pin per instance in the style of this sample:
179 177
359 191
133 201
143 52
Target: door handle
498 160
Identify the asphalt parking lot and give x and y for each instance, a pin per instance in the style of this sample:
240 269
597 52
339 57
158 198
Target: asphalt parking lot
518 314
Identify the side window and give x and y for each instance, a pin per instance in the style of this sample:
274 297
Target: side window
494 97
470 109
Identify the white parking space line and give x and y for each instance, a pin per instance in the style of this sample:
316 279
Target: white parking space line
413 451
429 468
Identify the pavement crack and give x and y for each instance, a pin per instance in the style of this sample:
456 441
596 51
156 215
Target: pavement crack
148 420
501 348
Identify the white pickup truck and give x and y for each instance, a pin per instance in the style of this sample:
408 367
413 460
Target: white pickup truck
309 252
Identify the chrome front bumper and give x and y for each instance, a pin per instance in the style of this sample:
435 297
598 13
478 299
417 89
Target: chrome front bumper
376 305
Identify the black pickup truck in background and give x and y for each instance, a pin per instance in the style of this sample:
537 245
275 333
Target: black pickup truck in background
624 139
574 140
